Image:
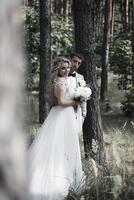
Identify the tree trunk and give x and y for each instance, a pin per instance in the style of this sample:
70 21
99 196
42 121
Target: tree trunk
132 39
112 21
69 8
121 11
85 44
65 9
58 7
102 20
45 57
12 143
29 2
126 13
25 2
97 18
105 51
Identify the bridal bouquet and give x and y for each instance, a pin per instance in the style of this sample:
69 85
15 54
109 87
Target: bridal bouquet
82 92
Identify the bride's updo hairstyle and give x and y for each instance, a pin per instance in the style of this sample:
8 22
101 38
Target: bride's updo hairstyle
58 63
53 77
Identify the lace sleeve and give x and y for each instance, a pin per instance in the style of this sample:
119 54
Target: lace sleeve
60 84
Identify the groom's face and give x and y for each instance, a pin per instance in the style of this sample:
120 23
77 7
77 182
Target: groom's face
75 62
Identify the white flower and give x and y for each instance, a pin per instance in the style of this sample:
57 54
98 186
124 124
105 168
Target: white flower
81 83
82 93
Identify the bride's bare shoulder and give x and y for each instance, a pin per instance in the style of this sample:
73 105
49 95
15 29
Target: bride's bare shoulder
60 81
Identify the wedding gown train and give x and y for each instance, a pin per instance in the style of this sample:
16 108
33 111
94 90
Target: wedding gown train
55 160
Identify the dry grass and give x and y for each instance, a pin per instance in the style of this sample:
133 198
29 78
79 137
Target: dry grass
119 185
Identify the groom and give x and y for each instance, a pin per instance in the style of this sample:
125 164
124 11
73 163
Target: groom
76 60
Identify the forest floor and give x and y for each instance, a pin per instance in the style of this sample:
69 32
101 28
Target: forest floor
119 145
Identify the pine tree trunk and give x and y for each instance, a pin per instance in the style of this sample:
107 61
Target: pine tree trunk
45 57
102 20
58 7
112 21
126 13
132 39
69 8
97 19
13 175
65 9
29 2
121 11
105 51
85 44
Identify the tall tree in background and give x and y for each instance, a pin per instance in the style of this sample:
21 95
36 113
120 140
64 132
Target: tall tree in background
66 8
125 5
85 44
132 40
45 56
61 8
58 7
97 18
112 21
105 49
124 13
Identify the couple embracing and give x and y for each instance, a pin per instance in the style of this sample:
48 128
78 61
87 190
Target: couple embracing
54 156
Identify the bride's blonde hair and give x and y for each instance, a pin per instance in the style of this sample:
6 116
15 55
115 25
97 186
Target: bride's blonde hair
53 76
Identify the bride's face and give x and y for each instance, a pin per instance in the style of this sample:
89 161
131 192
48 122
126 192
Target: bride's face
64 70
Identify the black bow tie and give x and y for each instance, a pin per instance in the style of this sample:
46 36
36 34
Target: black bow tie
72 74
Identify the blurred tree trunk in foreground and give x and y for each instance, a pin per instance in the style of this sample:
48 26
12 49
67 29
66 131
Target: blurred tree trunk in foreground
12 144
45 57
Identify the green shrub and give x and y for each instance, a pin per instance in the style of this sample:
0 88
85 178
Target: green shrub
62 36
32 40
128 104
121 63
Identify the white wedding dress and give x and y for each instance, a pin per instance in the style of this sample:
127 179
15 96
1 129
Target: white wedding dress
55 160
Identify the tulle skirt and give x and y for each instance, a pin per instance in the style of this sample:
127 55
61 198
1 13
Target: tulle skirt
55 161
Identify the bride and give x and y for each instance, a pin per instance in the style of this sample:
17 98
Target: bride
55 161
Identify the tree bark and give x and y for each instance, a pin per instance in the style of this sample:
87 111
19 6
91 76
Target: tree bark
112 21
105 50
126 13
97 18
58 7
65 9
13 175
45 57
85 44
132 39
69 8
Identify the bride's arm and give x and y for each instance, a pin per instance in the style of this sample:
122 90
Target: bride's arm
61 92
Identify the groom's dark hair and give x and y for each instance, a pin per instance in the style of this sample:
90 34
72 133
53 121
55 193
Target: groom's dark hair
77 55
